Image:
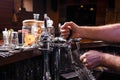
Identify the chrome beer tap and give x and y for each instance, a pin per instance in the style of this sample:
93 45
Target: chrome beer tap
59 43
81 70
45 49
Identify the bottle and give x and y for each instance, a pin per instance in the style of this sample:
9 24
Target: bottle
50 27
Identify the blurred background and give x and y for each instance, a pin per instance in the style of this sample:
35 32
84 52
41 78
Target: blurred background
82 12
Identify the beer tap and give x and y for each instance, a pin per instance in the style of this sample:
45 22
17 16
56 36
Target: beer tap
45 49
58 44
81 70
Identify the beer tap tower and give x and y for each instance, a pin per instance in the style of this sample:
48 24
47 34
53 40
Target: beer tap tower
48 44
45 49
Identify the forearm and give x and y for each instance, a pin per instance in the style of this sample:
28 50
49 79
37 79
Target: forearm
89 32
111 61
106 33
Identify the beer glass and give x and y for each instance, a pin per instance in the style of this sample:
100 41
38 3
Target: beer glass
14 41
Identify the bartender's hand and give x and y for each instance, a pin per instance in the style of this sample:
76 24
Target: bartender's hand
65 30
92 59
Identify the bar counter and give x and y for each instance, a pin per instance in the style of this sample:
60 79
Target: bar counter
27 64
18 55
22 54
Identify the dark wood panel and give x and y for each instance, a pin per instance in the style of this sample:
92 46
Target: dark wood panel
6 13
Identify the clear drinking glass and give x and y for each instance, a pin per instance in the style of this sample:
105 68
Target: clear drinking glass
14 42
5 38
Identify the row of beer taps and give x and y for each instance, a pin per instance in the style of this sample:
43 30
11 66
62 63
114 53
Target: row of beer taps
47 43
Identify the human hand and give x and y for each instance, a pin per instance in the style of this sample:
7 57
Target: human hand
65 30
92 59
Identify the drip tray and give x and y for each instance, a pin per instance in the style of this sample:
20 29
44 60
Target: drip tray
69 75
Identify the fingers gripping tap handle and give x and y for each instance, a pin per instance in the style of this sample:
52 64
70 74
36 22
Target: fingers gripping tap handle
69 36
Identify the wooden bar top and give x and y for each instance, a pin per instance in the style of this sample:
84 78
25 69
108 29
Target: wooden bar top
18 55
